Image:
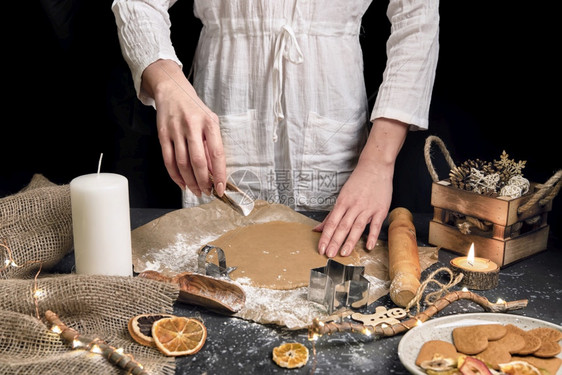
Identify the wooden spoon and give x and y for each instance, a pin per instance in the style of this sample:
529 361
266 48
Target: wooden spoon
213 293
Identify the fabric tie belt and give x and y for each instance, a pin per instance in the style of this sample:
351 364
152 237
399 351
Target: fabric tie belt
286 48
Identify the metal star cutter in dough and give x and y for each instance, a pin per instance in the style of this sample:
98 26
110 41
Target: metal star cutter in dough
338 286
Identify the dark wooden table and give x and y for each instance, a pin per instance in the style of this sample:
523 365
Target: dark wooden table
236 346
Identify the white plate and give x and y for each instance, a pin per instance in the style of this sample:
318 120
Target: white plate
442 328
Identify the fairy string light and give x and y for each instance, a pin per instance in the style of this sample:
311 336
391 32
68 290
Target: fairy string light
37 293
9 261
115 356
319 328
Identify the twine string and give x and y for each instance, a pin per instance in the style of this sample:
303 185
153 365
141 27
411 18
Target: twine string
546 192
431 297
427 154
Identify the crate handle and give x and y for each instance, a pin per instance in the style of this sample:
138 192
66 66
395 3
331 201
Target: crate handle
427 153
545 194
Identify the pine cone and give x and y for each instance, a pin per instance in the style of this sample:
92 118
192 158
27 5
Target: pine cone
459 177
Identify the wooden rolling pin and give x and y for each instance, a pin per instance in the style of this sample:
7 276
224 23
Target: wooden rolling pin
403 257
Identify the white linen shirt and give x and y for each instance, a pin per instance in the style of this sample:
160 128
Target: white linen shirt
286 80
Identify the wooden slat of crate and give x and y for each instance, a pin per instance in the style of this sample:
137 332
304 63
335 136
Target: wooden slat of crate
498 210
501 252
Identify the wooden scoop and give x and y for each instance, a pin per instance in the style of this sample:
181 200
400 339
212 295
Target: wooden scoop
213 293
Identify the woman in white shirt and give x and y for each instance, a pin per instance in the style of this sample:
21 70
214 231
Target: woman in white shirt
278 102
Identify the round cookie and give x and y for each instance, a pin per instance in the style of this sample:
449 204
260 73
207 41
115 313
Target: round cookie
430 348
549 341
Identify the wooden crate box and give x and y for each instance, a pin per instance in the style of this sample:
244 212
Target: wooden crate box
500 233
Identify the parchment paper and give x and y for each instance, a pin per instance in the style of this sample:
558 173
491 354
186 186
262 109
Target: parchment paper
170 245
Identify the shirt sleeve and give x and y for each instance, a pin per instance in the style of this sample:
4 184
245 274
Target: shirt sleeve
412 52
143 28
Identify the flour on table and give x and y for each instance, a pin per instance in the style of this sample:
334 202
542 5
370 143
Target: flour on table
181 256
289 308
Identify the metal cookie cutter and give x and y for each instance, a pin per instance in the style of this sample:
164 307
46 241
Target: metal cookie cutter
337 286
211 269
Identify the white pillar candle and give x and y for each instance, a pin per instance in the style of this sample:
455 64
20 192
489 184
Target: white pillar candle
101 224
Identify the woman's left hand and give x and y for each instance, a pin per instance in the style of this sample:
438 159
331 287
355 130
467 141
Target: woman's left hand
366 196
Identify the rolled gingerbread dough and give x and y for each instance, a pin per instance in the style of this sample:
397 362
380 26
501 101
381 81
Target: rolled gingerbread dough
274 255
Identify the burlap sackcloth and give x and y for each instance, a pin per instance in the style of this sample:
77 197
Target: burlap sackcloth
36 227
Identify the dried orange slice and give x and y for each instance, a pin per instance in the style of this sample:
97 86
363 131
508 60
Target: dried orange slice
290 355
140 327
178 335
519 368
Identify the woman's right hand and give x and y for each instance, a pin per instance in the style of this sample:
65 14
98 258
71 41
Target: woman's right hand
188 130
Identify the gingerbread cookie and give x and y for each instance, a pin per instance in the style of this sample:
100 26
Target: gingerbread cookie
433 348
474 339
532 342
500 351
549 341
496 344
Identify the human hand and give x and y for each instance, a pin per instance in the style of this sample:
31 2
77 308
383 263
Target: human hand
188 130
366 196
364 200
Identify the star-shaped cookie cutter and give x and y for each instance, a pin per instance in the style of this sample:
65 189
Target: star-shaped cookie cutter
338 286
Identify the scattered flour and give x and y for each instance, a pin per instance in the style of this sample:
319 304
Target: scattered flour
288 308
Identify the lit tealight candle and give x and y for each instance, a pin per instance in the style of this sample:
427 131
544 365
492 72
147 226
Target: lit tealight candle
479 273
101 224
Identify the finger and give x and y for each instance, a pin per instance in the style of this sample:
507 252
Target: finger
170 163
183 165
216 157
319 227
328 226
357 229
174 153
340 234
198 163
374 232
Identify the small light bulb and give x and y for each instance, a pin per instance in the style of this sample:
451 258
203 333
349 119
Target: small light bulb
76 344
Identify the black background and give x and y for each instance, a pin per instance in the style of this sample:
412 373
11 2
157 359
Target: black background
69 96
